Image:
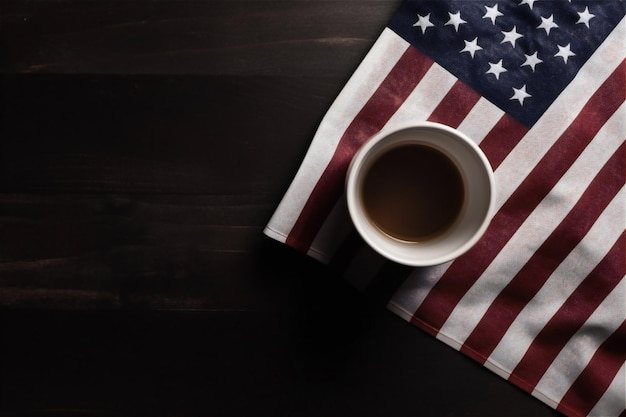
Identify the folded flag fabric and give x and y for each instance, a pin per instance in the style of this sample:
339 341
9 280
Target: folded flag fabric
540 86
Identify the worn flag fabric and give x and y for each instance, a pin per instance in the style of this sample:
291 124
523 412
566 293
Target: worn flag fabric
540 86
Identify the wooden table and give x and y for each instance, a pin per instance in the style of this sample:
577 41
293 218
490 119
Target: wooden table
143 147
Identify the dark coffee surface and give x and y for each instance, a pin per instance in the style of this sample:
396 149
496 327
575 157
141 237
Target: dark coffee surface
413 192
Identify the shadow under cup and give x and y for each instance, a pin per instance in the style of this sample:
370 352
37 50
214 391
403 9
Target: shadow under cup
477 198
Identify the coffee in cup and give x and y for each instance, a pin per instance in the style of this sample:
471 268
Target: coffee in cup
421 194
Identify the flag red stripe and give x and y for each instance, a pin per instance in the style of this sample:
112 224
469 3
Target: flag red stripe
597 375
461 275
385 101
502 139
455 106
529 280
573 313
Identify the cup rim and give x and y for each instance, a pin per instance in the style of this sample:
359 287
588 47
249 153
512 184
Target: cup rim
351 194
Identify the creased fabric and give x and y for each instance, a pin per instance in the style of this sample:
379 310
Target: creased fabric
540 86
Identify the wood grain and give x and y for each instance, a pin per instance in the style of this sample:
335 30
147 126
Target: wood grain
243 37
109 178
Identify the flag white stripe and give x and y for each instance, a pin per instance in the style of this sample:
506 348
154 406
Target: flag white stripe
523 158
414 289
577 353
613 402
424 98
562 283
532 233
367 77
480 120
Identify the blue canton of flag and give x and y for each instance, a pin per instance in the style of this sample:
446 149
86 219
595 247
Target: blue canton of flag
518 54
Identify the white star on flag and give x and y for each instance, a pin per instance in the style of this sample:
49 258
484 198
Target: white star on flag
496 69
492 13
547 24
471 47
530 3
511 36
423 22
565 52
520 94
585 17
532 61
455 20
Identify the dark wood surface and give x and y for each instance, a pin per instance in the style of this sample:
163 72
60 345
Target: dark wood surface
144 145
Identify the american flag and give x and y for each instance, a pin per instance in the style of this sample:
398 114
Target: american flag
540 86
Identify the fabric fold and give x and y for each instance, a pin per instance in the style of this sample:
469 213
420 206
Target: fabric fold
540 86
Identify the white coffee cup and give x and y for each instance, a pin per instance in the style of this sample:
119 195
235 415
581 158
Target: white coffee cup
475 208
